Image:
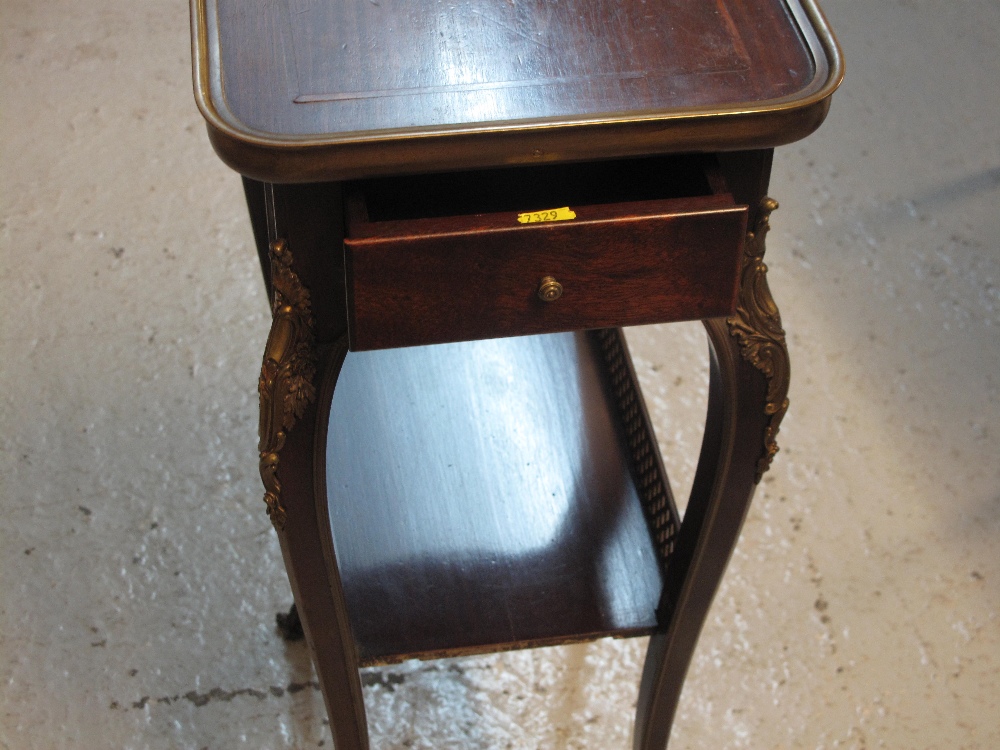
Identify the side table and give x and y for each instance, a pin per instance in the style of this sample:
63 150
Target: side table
457 207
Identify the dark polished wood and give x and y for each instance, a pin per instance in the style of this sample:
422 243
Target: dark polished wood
477 275
460 498
302 216
720 497
307 90
481 500
724 485
307 67
313 573
375 587
255 193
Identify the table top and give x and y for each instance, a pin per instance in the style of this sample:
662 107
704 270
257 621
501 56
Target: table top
305 90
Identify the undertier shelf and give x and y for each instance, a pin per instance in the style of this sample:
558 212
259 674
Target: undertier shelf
481 499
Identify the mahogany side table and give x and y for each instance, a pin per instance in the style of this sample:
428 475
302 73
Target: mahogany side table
457 207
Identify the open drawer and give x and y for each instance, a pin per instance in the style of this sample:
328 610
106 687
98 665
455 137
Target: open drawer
456 257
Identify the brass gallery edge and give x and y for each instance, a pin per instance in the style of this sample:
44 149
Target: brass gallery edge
657 502
286 375
757 327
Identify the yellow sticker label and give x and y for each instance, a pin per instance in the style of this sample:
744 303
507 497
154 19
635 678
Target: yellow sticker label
553 214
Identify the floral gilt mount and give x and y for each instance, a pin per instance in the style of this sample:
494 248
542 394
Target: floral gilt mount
287 373
757 327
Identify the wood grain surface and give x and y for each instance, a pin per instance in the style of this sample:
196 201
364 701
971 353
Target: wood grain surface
330 66
313 90
479 499
477 275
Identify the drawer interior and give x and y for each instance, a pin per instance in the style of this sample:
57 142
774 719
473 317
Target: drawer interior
533 188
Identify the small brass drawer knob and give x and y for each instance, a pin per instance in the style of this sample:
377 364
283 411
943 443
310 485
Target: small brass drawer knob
550 290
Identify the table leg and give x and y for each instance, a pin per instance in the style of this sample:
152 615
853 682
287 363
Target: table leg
305 351
747 399
310 559
299 511
257 206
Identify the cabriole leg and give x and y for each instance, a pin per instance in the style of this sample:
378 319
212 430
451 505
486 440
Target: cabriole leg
747 399
305 351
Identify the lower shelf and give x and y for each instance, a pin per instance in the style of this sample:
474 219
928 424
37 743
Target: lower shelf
481 499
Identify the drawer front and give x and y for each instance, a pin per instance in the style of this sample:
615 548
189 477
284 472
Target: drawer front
427 281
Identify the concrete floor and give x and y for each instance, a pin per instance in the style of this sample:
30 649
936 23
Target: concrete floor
139 576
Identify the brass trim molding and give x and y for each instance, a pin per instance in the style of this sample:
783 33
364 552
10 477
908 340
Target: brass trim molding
757 327
286 375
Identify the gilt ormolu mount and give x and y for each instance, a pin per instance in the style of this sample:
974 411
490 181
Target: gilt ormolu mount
286 375
757 326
